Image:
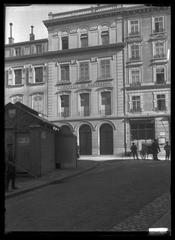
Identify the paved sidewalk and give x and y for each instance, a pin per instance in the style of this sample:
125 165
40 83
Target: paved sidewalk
26 184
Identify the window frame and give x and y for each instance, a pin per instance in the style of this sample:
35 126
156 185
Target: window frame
37 94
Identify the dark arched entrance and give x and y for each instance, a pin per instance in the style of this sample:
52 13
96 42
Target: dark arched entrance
85 137
66 130
106 139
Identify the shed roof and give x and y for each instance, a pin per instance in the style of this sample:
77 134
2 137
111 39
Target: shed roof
32 113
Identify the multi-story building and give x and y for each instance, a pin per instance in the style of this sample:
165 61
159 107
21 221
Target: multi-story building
105 75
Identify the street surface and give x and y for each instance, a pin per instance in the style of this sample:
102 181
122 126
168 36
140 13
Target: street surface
94 201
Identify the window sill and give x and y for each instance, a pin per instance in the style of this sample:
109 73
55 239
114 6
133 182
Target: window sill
104 79
63 83
83 81
14 86
35 84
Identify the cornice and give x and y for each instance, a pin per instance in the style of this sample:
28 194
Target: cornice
62 53
121 12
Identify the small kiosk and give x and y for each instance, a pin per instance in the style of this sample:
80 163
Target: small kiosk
39 146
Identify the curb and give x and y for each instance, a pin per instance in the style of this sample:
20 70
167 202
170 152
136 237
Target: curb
14 194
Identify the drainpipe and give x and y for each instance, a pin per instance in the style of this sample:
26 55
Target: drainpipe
124 98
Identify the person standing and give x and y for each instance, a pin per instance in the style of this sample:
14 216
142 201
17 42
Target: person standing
134 151
167 151
10 168
155 149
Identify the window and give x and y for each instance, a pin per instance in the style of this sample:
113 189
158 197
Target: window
84 71
142 130
18 76
134 27
64 105
26 50
135 77
17 98
65 42
160 75
135 52
84 104
38 102
136 104
84 40
159 50
161 102
38 74
65 72
158 24
105 37
17 51
105 68
106 103
39 49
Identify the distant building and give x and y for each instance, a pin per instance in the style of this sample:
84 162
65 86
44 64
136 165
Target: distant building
103 73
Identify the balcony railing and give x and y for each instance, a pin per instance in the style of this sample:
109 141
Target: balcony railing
159 56
106 110
135 110
65 113
134 34
135 84
133 59
85 112
160 30
160 109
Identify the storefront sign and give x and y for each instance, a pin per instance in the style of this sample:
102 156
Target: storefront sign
23 140
84 85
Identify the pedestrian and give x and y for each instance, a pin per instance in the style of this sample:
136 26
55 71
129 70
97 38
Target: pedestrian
134 151
167 151
155 149
10 168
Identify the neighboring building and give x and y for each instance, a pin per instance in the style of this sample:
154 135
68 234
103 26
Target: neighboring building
106 75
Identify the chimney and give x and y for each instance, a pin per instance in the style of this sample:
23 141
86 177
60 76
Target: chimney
11 39
32 36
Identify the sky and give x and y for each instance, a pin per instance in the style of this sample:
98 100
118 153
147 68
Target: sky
23 17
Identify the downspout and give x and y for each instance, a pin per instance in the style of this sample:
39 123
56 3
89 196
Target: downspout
124 98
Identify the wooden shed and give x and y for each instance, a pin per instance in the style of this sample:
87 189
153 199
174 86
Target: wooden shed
35 141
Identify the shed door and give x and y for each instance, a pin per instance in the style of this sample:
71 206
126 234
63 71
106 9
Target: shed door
22 152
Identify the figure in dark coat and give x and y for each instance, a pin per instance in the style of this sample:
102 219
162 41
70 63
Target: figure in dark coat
155 149
167 151
10 168
134 151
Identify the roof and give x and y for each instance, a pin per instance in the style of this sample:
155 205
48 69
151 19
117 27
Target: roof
32 113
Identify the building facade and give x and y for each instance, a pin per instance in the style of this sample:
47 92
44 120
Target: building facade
103 74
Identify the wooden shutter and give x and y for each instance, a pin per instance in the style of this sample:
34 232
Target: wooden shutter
31 74
10 77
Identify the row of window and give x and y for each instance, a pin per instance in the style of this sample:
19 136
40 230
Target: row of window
32 74
18 51
135 103
36 74
159 50
158 26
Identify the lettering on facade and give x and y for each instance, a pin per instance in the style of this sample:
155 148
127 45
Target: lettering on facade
23 140
84 85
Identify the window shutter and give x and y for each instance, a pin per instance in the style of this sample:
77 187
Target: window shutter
141 102
45 73
129 103
10 77
31 74
153 24
23 75
6 78
166 100
154 101
154 74
129 26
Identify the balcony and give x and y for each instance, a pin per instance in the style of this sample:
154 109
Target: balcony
159 30
161 109
135 84
135 110
65 113
134 34
106 110
85 112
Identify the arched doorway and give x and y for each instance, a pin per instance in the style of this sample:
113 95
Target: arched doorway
85 137
106 139
66 130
